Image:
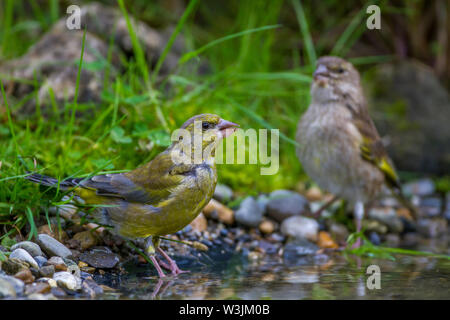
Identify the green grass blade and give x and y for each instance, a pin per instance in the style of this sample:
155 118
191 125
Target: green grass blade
304 28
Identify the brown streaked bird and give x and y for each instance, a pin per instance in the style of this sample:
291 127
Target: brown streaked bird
339 145
160 197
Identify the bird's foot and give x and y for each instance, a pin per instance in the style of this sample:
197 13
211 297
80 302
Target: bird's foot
172 266
157 266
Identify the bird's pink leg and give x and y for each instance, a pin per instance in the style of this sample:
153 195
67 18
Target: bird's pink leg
157 267
150 251
359 215
172 264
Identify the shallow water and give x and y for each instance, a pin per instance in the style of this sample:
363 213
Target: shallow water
225 274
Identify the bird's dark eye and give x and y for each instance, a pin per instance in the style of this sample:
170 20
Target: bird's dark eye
206 125
340 70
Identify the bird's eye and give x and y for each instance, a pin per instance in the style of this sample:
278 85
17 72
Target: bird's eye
340 70
206 125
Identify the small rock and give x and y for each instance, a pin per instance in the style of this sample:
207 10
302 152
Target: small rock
325 241
224 214
374 225
91 270
431 207
32 248
87 239
58 263
6 289
47 271
262 200
82 264
338 231
284 204
72 267
387 216
374 238
267 226
23 255
199 223
53 247
37 287
300 227
249 213
12 266
40 260
91 288
299 247
223 193
405 213
392 240
66 280
432 228
58 292
17 284
25 276
100 258
314 194
423 187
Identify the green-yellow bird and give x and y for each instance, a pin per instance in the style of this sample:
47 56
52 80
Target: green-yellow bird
160 197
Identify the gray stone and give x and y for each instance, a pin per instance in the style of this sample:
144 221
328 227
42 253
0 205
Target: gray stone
12 266
47 271
262 202
423 187
53 247
40 260
431 206
72 267
337 231
23 255
223 193
299 247
6 289
432 228
283 204
300 227
91 288
67 281
100 257
411 107
32 248
387 216
17 284
249 213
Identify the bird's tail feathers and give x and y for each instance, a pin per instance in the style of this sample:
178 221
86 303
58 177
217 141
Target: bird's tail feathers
51 182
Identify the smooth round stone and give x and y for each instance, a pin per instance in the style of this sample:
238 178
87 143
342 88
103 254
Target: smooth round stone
23 255
17 284
53 247
223 193
40 260
32 248
249 213
283 204
300 227
66 280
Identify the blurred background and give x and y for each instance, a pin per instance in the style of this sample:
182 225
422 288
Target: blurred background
149 65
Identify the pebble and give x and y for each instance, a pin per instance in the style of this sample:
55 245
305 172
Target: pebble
53 247
6 289
100 257
300 227
23 255
432 228
422 187
338 231
47 271
199 223
87 239
223 193
17 284
32 248
37 287
267 226
91 288
325 241
72 267
25 276
58 263
66 280
314 194
299 247
283 204
215 209
262 202
55 234
40 260
12 266
249 213
374 238
431 207
58 292
387 216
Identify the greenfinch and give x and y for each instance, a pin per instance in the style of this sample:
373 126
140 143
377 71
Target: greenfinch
338 144
160 197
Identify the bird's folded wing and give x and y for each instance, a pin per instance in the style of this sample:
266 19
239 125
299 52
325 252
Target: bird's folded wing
372 149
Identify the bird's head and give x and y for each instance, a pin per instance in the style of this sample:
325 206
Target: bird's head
333 78
202 133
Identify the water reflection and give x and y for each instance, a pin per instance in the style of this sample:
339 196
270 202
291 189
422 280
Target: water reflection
228 275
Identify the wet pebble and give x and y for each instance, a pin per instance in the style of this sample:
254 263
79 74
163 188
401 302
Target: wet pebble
267 226
387 216
6 289
338 231
23 255
374 238
87 239
66 280
17 285
58 263
91 289
283 204
249 213
37 287
300 227
53 247
25 275
47 271
32 248
100 257
40 260
223 193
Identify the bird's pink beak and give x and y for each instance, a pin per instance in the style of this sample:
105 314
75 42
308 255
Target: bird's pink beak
320 75
227 127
